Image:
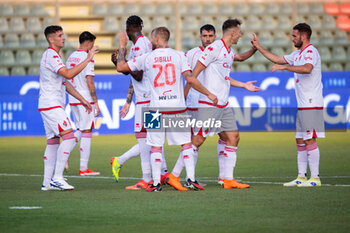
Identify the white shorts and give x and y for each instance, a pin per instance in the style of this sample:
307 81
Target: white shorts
173 136
214 115
310 124
55 121
138 122
82 119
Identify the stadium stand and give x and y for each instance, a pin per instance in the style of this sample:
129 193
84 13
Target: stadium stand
22 23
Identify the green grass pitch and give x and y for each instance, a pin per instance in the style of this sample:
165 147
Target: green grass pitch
99 204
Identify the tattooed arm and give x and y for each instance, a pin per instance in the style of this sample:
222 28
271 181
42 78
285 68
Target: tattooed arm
127 104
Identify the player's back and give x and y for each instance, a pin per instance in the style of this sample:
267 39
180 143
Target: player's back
164 68
79 82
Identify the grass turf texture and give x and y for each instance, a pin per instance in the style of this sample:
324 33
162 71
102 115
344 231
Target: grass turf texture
102 205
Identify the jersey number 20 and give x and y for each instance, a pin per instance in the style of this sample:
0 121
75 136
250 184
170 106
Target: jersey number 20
167 67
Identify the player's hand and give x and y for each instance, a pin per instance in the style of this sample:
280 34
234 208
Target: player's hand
277 67
123 39
255 38
213 98
125 110
255 41
114 57
97 110
87 106
92 52
251 87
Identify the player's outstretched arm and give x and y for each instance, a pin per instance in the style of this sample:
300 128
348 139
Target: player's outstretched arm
71 73
193 82
71 90
244 56
248 85
197 69
92 89
270 56
122 65
125 109
304 69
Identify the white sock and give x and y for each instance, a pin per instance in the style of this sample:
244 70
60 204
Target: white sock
145 156
230 161
187 155
221 158
50 159
156 163
77 134
63 153
195 157
164 167
302 160
85 148
131 153
178 166
314 159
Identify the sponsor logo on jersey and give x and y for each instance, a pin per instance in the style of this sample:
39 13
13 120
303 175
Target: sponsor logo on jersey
210 48
309 51
65 123
308 58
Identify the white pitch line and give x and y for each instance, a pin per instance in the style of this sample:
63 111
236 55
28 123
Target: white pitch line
25 207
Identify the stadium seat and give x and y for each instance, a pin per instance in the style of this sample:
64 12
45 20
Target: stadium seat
347 66
331 8
132 9
34 70
325 54
286 8
111 24
11 40
335 66
22 9
324 66
278 51
344 8
99 9
194 8
147 23
259 57
219 21
48 21
41 41
316 8
326 38
265 38
6 9
17 24
187 40
328 22
4 71
39 9
242 67
206 20
301 19
149 8
257 8
159 21
284 22
245 39
281 39
260 67
253 23
7 57
226 8
241 9
1 42
303 8
4 27
33 24
172 23
27 40
272 8
339 53
183 9
190 23
18 70
165 8
315 22
116 9
343 22
268 22
341 38
36 56
210 8
23 57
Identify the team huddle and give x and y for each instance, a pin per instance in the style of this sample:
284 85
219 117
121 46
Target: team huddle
157 70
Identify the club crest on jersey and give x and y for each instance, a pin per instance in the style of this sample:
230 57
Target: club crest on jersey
65 123
210 49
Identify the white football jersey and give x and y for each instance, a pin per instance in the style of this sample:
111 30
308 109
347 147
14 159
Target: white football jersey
52 86
308 87
217 59
79 82
142 46
163 68
192 58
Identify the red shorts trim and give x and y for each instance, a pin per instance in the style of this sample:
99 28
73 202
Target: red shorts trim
50 108
219 106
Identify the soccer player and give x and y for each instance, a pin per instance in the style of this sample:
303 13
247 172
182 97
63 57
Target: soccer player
84 84
305 62
141 45
216 62
51 104
162 69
